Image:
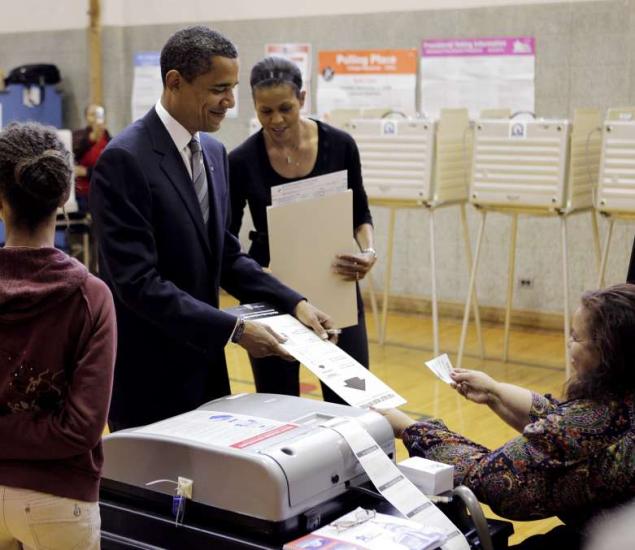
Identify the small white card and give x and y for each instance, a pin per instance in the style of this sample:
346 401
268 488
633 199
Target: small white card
441 367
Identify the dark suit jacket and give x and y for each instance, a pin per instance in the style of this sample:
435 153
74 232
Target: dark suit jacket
164 269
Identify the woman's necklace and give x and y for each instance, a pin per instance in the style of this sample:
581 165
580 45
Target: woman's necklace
290 161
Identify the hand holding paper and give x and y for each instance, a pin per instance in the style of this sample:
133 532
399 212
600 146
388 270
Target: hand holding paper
260 341
315 319
475 385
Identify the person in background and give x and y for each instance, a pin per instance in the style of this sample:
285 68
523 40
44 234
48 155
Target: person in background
573 458
160 201
290 147
57 354
88 144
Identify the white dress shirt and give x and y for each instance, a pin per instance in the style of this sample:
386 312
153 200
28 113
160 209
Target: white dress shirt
180 136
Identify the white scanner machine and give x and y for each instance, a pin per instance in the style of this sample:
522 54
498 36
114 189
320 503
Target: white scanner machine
284 480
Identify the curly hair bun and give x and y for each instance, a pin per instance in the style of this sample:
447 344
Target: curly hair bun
35 171
45 177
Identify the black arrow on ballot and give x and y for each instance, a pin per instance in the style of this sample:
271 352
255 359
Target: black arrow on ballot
356 383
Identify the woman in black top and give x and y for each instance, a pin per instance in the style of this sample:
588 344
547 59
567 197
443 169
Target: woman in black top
290 147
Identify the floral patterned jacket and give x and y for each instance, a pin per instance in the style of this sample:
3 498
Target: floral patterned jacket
572 460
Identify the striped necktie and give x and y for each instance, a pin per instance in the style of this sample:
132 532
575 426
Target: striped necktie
199 178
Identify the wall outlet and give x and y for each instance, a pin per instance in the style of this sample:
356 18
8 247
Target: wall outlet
525 283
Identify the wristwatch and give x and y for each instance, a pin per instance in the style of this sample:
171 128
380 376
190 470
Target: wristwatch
239 330
370 251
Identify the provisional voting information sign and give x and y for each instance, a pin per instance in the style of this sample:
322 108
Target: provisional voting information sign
477 73
366 79
147 85
300 54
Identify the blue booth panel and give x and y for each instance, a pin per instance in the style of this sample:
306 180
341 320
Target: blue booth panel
14 108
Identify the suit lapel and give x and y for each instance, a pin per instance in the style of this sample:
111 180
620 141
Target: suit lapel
216 228
176 173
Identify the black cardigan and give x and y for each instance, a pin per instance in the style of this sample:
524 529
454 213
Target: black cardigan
251 178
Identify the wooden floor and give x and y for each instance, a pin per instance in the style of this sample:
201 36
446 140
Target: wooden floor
536 362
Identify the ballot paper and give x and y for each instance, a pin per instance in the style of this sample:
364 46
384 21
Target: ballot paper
368 530
393 485
309 188
441 367
339 371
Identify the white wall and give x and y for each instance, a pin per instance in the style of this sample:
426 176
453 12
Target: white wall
41 15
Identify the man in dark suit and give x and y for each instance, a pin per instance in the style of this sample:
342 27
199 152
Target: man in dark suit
160 202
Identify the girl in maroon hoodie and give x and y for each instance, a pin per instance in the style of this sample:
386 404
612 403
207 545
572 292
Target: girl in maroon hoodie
57 350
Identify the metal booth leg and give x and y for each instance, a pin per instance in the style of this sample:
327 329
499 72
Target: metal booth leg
511 268
468 258
470 291
387 275
373 303
596 239
565 283
605 253
433 276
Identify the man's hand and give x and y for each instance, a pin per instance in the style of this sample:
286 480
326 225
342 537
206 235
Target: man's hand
315 319
475 385
260 340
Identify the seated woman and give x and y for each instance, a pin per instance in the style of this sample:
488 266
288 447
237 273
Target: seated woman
574 457
57 352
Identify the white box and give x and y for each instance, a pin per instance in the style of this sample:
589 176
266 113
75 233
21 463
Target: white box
433 478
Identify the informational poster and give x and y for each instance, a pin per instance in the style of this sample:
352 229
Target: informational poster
300 54
477 73
147 85
367 79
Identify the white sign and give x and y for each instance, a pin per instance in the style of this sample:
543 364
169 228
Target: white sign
367 79
339 371
479 73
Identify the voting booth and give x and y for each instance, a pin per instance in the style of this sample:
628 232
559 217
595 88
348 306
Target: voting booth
257 470
537 167
616 182
417 163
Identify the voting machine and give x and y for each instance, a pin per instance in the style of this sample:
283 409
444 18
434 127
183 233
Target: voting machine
266 466
263 471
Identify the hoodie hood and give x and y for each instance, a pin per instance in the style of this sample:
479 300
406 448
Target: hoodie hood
35 279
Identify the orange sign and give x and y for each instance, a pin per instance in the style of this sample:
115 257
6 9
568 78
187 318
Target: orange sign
367 62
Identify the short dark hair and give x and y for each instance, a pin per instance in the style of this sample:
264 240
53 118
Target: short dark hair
611 314
275 71
190 51
35 172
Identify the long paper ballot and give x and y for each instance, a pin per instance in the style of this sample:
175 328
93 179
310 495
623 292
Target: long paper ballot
332 365
304 238
339 371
